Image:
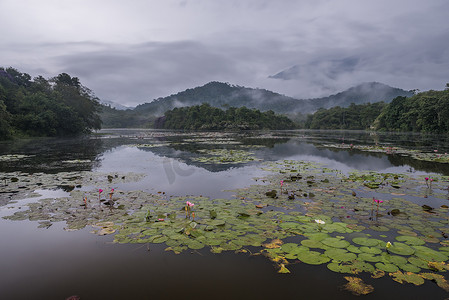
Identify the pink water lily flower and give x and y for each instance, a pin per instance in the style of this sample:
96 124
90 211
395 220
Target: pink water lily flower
100 191
282 182
189 204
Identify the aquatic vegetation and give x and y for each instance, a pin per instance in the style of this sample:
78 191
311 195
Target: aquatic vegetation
13 157
328 223
415 154
225 156
356 286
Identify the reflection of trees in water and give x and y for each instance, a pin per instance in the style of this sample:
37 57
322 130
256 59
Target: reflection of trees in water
419 165
408 140
48 154
185 152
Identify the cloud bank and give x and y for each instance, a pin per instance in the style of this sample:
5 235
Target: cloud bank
132 53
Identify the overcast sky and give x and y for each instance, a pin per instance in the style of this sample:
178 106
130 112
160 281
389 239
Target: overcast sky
134 51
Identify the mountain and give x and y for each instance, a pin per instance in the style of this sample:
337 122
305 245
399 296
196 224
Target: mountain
114 105
360 94
225 95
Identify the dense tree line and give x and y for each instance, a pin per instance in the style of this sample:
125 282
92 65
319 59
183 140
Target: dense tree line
424 112
39 107
353 117
206 117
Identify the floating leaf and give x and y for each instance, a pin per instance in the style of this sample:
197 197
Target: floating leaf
356 286
335 242
439 279
363 241
390 268
402 249
312 257
429 254
340 255
408 277
410 240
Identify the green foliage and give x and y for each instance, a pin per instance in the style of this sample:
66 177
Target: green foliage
425 112
41 107
206 117
353 117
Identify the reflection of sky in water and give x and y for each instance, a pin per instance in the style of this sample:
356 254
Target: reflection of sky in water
173 172
174 177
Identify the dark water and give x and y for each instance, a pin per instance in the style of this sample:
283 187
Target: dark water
52 263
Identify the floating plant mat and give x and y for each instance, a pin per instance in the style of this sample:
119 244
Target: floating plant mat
416 154
331 217
19 185
13 157
225 156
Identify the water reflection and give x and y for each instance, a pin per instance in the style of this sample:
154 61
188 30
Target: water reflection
179 148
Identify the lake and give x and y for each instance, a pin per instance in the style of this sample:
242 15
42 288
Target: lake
105 216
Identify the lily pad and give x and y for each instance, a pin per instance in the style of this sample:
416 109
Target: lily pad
363 241
340 255
390 268
410 240
356 286
335 242
401 249
408 277
312 257
371 250
429 254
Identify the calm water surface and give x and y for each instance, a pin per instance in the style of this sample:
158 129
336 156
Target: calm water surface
52 263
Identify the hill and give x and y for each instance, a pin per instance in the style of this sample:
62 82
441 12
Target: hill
223 95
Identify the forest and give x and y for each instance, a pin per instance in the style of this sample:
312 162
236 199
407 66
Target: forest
57 106
206 117
355 117
423 112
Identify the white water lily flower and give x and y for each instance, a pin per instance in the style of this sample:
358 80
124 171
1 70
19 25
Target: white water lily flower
320 221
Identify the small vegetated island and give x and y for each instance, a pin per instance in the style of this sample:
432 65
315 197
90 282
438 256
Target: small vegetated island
206 117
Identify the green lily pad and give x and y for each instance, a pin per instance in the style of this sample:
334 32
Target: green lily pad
371 250
430 254
363 241
313 244
335 242
312 257
340 255
393 259
410 240
353 249
340 268
410 268
390 268
318 236
369 257
401 249
419 262
407 277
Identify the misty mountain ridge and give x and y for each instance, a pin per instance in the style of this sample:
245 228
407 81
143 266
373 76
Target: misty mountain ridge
114 105
224 95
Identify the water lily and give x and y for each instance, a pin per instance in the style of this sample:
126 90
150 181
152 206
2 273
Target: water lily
378 202
388 245
188 208
320 221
